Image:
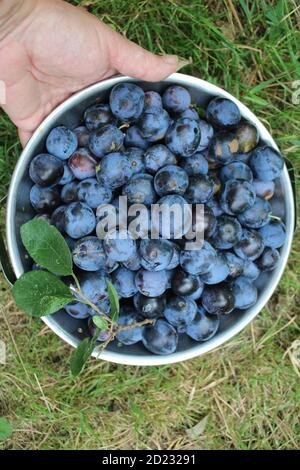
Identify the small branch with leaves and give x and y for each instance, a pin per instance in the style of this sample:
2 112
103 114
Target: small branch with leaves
41 292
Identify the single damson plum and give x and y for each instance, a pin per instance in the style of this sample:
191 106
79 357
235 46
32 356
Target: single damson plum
171 179
61 142
200 189
207 132
119 245
223 148
268 260
247 136
222 112
204 326
228 232
266 163
168 225
134 263
114 170
264 189
250 246
195 165
69 192
153 124
218 271
218 300
235 264
67 177
149 307
190 113
245 293
79 220
82 164
133 138
46 170
93 193
44 199
237 196
105 140
88 254
140 190
135 156
152 100
185 284
94 288
158 156
236 171
58 218
198 261
176 99
250 270
183 137
156 255
160 338
127 101
124 281
256 216
83 135
128 316
180 312
214 205
97 115
273 234
151 283
77 310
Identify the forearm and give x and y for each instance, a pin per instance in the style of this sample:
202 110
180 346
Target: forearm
12 13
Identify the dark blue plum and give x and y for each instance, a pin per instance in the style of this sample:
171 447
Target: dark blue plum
245 293
160 338
171 179
69 192
235 264
151 283
190 113
119 245
156 255
237 196
154 124
128 316
140 190
264 189
223 148
133 138
93 193
250 246
268 260
273 234
61 142
165 223
88 254
94 288
200 189
176 99
82 164
243 157
44 199
218 299
236 171
83 135
207 132
250 270
58 218
176 256
195 165
67 177
222 112
227 233
256 216
183 137
204 326
97 115
158 156
77 310
135 156
79 220
218 272
247 136
215 206
105 140
198 261
124 282
46 170
266 163
114 170
127 101
134 263
149 307
185 284
180 312
152 100
210 222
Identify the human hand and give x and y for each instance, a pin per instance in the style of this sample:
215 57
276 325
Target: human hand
54 49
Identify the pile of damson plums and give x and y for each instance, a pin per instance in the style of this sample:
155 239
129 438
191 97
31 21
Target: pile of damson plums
154 149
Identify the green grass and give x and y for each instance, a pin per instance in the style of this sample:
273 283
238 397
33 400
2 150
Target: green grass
248 389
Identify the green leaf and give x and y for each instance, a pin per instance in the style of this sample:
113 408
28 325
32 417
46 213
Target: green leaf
5 429
82 354
100 322
47 247
40 293
113 300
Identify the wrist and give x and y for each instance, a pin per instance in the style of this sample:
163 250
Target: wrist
12 14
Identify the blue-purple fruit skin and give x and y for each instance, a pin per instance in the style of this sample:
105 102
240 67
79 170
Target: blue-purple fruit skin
171 179
183 137
273 234
140 190
198 261
77 310
176 99
46 170
124 281
151 283
223 148
119 246
67 177
156 255
218 272
204 326
207 133
135 156
129 316
106 139
152 100
256 216
114 170
195 165
80 220
180 312
82 164
227 233
200 189
250 246
133 138
83 135
93 193
269 259
149 307
264 189
157 156
69 192
218 299
88 254
160 338
153 124
235 265
58 218
266 163
237 196
61 142
237 171
223 113
97 115
127 101
44 199
250 270
245 293
94 288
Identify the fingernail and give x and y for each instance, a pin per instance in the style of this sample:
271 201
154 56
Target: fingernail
170 59
183 62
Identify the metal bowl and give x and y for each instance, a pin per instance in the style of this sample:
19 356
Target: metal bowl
19 211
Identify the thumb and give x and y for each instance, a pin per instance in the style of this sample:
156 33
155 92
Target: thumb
130 59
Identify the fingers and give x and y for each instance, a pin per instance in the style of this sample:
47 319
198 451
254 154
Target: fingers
130 59
24 136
